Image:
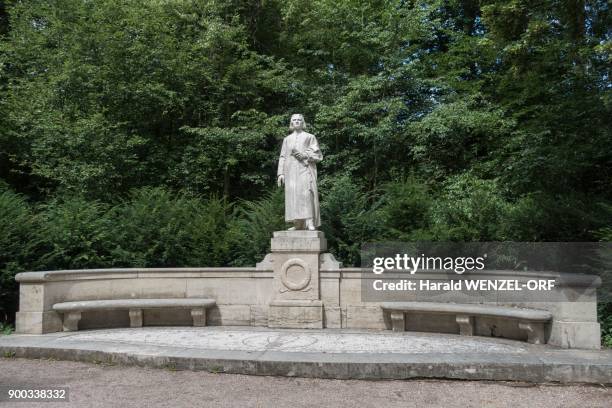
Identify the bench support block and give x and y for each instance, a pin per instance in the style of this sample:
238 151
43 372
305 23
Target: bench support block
466 324
398 322
71 321
199 316
535 331
135 317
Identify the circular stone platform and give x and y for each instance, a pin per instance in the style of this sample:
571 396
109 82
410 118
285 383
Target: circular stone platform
296 341
327 353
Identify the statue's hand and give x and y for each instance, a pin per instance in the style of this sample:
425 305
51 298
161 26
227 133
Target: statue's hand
281 180
300 156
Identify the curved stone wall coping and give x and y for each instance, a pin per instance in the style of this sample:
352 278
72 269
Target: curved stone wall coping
132 273
562 279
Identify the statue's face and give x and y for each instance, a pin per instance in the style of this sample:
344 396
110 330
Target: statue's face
297 122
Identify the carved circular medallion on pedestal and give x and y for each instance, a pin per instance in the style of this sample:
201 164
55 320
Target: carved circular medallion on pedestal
295 274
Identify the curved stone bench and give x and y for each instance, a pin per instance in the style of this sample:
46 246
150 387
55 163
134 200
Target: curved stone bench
530 320
72 310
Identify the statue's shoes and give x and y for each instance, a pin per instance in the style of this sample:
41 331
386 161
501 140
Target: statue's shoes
291 229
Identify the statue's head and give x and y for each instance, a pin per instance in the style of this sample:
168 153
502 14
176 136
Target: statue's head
297 122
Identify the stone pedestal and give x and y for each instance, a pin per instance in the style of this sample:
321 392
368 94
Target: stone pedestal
296 302
296 314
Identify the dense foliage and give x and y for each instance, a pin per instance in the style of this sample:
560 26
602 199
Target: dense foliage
146 133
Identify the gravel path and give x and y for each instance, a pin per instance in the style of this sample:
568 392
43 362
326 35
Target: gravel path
93 385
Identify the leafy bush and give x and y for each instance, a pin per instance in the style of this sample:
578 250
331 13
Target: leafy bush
604 315
6 328
604 233
406 210
350 218
545 217
17 228
157 228
525 220
468 209
604 309
75 233
253 227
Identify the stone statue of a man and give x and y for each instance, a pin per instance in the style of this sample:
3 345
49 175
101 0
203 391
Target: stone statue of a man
297 170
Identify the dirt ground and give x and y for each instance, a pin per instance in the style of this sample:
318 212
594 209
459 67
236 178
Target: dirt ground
92 385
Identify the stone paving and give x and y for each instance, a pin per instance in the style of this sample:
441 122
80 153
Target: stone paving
320 353
298 341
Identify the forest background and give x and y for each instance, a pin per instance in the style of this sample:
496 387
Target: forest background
146 133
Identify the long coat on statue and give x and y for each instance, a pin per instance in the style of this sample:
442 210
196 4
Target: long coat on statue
301 194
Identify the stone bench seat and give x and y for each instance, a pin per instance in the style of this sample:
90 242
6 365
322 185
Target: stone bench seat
72 310
530 320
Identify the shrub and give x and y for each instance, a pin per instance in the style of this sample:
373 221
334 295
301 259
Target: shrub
469 209
604 232
604 315
6 329
350 218
253 227
157 228
545 217
16 243
75 233
406 210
